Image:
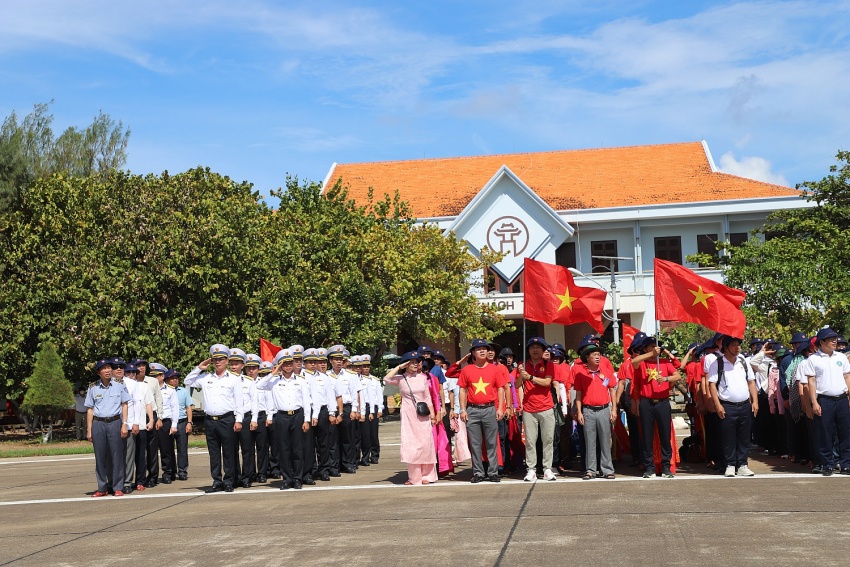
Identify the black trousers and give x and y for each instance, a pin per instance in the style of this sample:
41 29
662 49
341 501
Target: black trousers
346 439
261 444
735 432
221 444
142 455
182 439
375 443
765 426
355 442
248 470
152 454
274 452
634 437
656 416
165 442
308 450
333 448
714 440
365 449
290 436
834 422
321 433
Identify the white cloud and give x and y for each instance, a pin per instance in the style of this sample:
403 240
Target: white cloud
751 167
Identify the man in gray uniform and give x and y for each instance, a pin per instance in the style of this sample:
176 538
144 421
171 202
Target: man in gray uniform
106 427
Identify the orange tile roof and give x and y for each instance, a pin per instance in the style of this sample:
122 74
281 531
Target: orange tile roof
567 179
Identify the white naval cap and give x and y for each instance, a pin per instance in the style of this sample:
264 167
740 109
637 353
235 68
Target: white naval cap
219 351
237 354
252 360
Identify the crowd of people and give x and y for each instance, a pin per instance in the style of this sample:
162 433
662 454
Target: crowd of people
313 414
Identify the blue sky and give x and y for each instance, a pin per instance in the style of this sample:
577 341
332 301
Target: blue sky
259 89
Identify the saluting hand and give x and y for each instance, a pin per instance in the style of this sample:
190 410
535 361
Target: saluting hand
205 364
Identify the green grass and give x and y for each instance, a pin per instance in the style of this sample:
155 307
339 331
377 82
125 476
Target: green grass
37 449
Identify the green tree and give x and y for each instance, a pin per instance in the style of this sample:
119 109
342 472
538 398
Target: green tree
798 278
29 149
48 393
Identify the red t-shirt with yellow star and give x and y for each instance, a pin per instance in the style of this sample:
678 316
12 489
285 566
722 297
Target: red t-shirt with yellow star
482 383
646 380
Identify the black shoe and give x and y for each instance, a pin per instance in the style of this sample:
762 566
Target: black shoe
476 479
309 481
275 475
495 478
128 488
828 472
214 488
228 488
845 471
503 472
166 480
374 461
151 483
261 478
325 477
246 484
286 486
297 485
817 469
364 463
349 470
334 474
182 477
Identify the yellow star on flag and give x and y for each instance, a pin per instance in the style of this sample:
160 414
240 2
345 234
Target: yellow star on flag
566 300
701 297
480 386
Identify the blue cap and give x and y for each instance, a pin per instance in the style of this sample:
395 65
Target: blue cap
438 354
425 349
101 363
827 333
536 341
172 373
478 343
139 361
728 340
588 341
130 368
799 348
692 346
636 340
756 341
799 337
412 355
219 351
118 362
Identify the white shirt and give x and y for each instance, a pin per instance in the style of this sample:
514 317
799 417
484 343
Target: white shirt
828 371
222 394
347 387
736 378
170 404
249 398
322 392
376 394
153 384
288 394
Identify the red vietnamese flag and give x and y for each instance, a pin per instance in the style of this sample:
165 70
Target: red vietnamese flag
551 296
268 350
681 295
628 336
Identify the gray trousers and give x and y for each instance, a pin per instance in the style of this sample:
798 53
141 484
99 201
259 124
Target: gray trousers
108 454
539 423
597 428
129 458
481 427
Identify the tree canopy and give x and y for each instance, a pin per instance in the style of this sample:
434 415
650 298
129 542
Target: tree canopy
163 266
48 392
798 277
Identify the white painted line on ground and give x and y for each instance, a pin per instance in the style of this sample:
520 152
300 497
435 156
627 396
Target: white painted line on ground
70 458
442 484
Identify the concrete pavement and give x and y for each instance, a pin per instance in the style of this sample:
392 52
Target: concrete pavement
776 518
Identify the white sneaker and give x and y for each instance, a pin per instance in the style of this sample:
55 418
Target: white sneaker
745 471
549 475
530 475
730 471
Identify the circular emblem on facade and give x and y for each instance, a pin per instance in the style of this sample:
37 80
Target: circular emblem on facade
508 235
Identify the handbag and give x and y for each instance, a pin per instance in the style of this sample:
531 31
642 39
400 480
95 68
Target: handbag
421 407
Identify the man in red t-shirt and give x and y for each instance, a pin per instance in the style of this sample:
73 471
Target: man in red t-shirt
656 370
538 416
595 410
482 404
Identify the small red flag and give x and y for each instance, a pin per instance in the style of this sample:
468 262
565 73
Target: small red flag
681 295
268 350
551 296
628 336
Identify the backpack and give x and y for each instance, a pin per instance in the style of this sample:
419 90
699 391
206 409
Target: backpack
721 371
